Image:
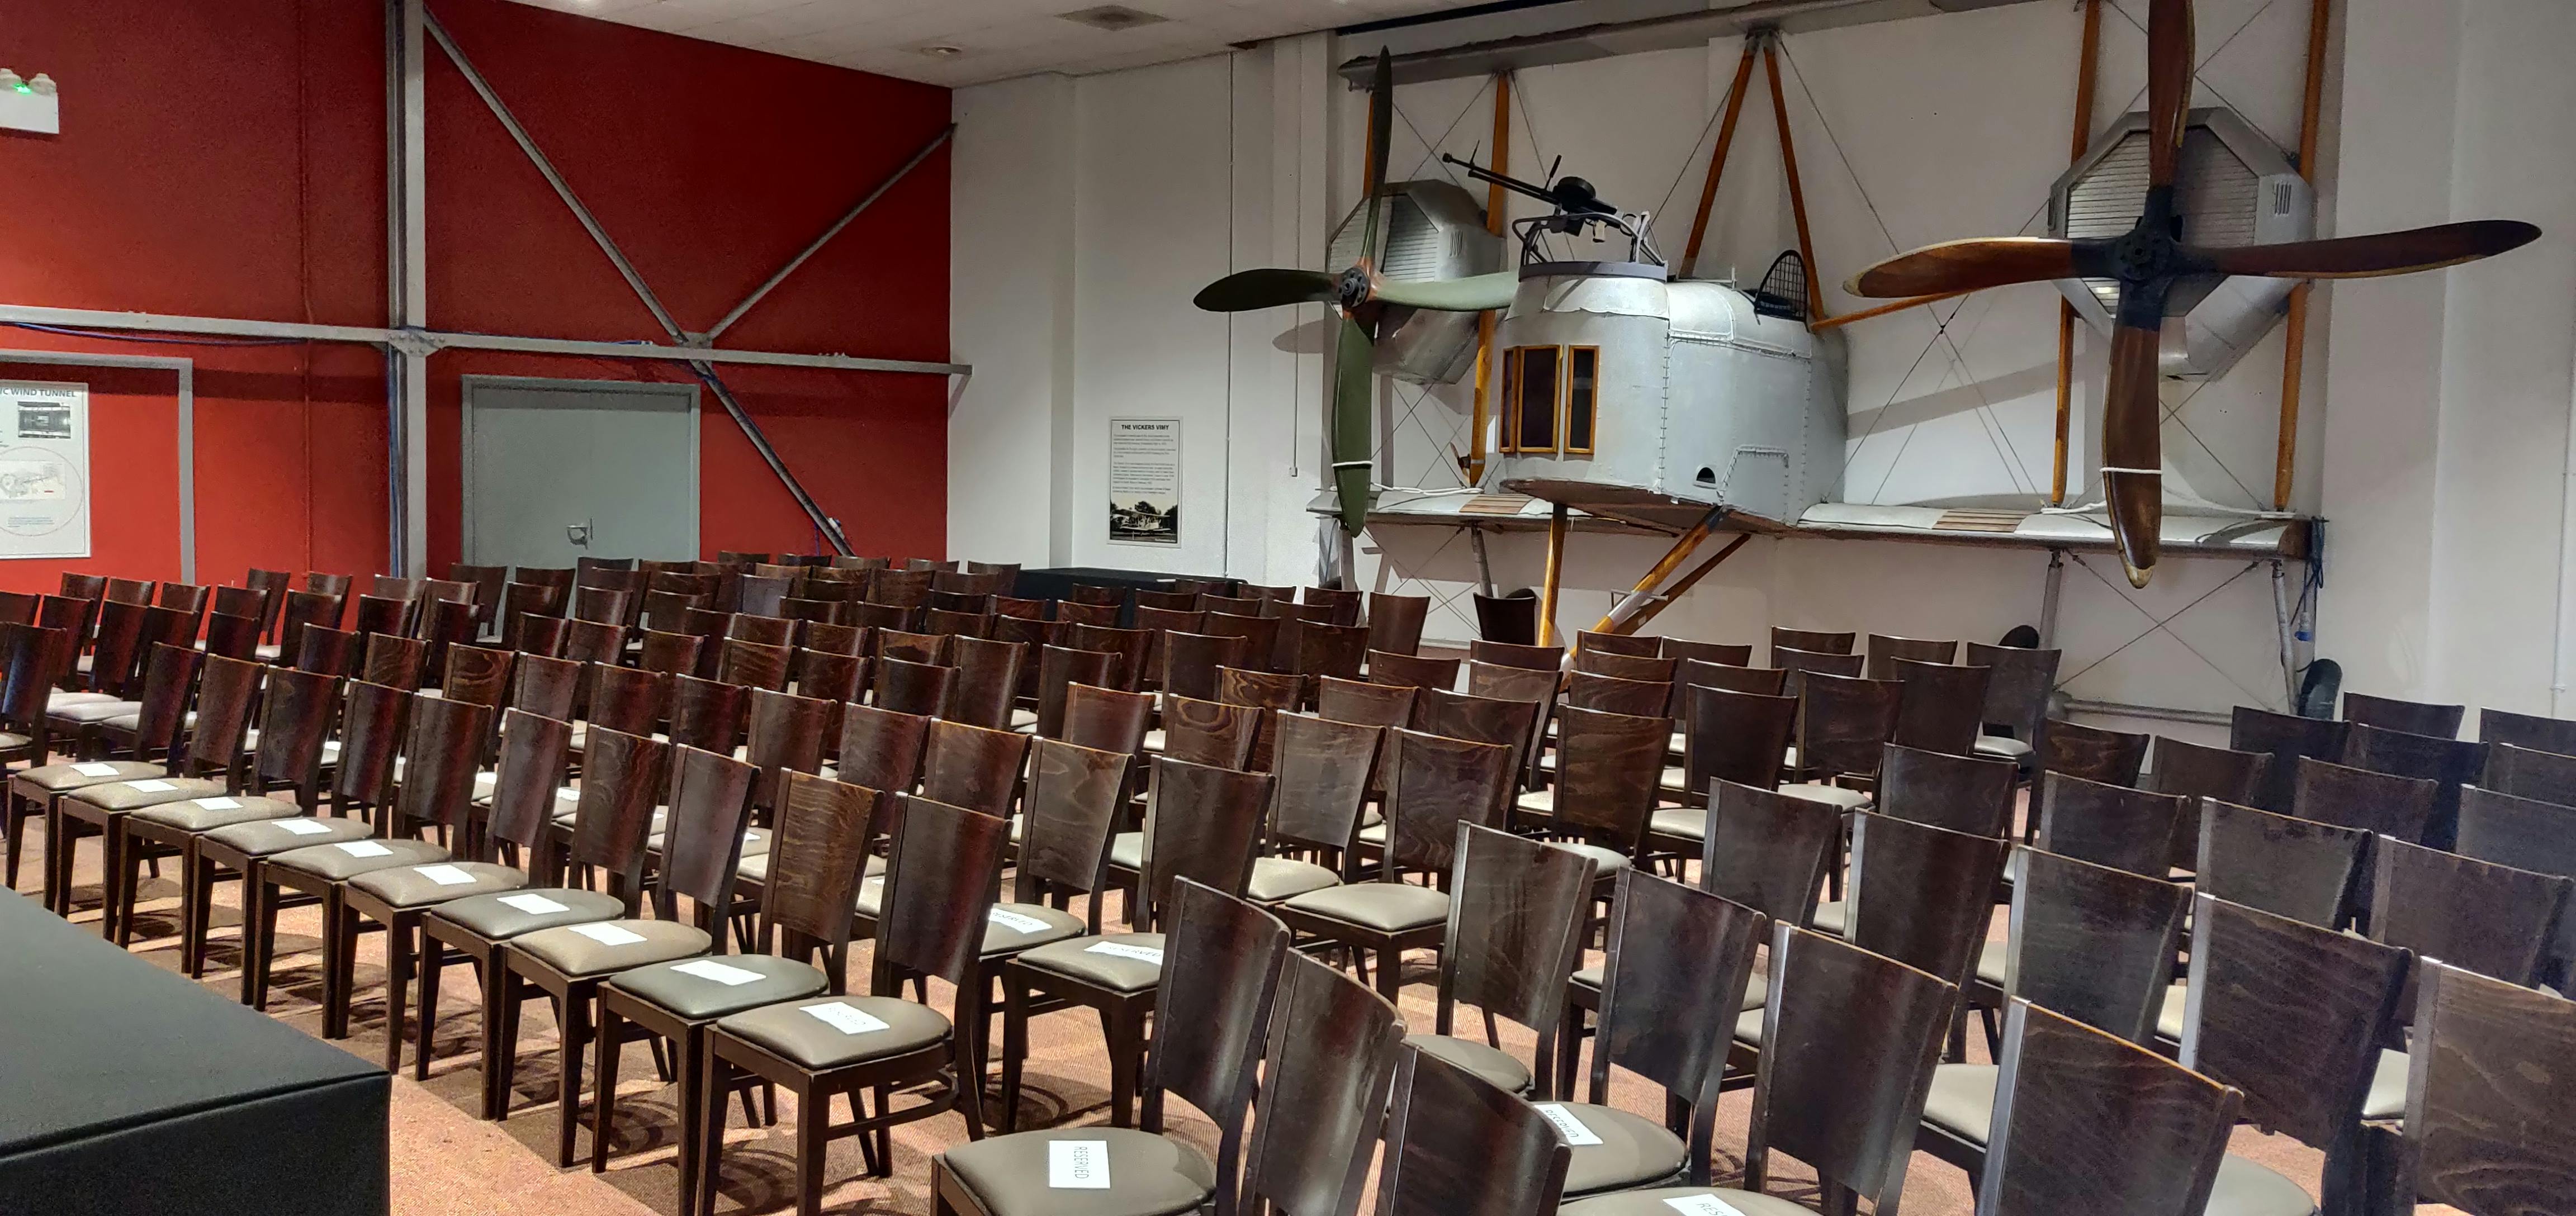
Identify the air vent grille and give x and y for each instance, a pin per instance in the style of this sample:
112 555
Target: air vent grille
2215 191
1414 245
1112 17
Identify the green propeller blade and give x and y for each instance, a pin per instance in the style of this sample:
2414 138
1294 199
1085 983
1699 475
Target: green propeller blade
1245 290
1473 294
1354 393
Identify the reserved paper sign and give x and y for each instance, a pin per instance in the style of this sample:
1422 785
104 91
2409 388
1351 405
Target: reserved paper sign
445 875
363 848
609 935
1567 1125
301 827
1702 1205
95 770
535 905
844 1017
220 804
1016 922
151 787
709 969
1078 1165
1142 954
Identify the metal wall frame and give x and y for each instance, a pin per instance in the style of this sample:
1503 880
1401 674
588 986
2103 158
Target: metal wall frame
187 370
465 437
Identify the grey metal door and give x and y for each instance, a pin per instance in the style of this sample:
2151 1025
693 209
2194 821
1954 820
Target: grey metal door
557 470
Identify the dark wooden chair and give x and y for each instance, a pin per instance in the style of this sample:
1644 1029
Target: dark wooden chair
766 630
1208 732
2530 773
272 587
444 623
1647 668
1517 910
2198 772
1700 673
1844 724
378 614
1812 641
1159 624
1675 977
2527 730
523 601
1884 652
232 636
973 767
1127 669
2446 762
1070 612
1060 668
2286 738
1260 636
1611 767
751 664
882 750
1942 708
915 688
939 890
1507 619
1412 670
1947 790
2292 1015
1458 1144
390 660
1216 998
1273 693
1618 695
152 743
1324 650
542 635
1191 660
1364 702
2111 825
1074 797
1624 644
1105 719
2527 834
208 769
988 682
1537 687
1395 622
1324 769
1508 654
1724 654
2298 868
1510 721
2384 803
2410 717
1860 1033
2094 1124
2111 757
2487 1099
2496 920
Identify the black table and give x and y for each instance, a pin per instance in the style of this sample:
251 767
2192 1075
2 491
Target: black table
126 1089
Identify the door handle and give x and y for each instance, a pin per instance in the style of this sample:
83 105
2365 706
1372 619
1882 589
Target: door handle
578 534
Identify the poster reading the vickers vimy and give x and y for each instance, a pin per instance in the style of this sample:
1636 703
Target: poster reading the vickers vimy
44 469
1145 481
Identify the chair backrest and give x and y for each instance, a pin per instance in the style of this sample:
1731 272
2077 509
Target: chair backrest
1723 654
1074 799
2084 1122
707 714
988 682
939 891
2018 682
621 783
973 767
1757 681
1412 670
752 664
2493 919
2488 1103
1070 612
2411 717
1509 654
1209 732
1885 652
1395 622
296 716
766 630
814 863
881 749
1507 618
1647 668
1670 991
1191 660
1213 1002
1511 722
1458 1146
119 645
827 638
1637 698
545 635
36 658
1060 667
548 688
1628 644
1259 634
1768 851
2111 757
1516 913
1203 824
950 622
763 595
1368 704
1322 770
915 688
1942 708
2111 825
1609 769
2298 868
2290 1013
1332 1054
224 696
1922 895
2091 942
1849 1038
1844 723
272 586
1739 738
2286 738
2198 772
441 753
169 680
1812 641
1434 783
1506 683
371 733
392 660
1801 663
1271 692
1108 719
2384 803
786 735
1127 667
2530 773
930 648
626 699
2527 730
2527 834
534 753
380 614
2446 762
477 674
232 636
1961 793
702 840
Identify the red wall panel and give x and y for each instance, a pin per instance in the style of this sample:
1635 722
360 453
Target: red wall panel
228 160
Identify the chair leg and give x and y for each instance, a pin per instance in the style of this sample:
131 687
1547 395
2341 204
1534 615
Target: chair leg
196 893
501 1034
337 930
398 965
693 1101
13 833
813 1121
603 1098
712 1080
124 886
432 961
1390 972
1126 1035
1015 1049
573 1015
971 1031
111 872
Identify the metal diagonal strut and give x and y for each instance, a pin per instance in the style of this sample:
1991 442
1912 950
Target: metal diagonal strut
823 524
901 172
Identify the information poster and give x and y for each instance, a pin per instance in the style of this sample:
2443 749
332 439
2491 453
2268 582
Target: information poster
1145 481
44 469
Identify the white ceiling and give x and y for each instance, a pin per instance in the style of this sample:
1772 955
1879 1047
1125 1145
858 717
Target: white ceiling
997 38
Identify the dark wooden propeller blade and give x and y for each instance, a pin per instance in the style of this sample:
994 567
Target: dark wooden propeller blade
1268 287
1971 265
2169 64
2132 449
1381 132
2361 257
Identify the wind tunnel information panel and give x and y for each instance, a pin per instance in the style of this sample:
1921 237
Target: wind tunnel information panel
44 469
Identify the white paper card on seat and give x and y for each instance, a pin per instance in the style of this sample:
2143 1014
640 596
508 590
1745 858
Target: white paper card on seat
151 787
1142 954
220 804
535 905
1016 922
445 876
845 1017
95 770
1567 1125
1702 1205
302 827
709 969
363 848
1078 1165
609 935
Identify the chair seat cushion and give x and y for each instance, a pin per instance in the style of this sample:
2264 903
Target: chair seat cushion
207 814
56 778
2246 1189
269 837
1687 822
1488 1064
63 700
350 858
675 987
93 711
1007 929
1388 907
568 949
755 841
1831 795
812 1042
2387 1096
1022 719
1962 1100
1656 1202
2169 1017
1757 987
1605 861
1831 918
494 917
1990 961
2001 747
1748 1027
415 886
1373 834
1537 802
1127 850
1115 971
1278 878
1152 746
149 791
1633 1151
755 867
1149 1175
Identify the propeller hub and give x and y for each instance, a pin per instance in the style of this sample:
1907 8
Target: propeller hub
1354 288
2145 254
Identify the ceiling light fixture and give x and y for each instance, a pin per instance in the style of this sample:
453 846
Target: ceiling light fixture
1112 17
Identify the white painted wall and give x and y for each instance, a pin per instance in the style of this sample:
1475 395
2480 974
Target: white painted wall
1907 132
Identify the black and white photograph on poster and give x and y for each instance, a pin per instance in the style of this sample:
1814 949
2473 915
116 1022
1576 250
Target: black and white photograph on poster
44 469
1145 481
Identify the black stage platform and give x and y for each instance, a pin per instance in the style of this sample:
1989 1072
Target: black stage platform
126 1089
